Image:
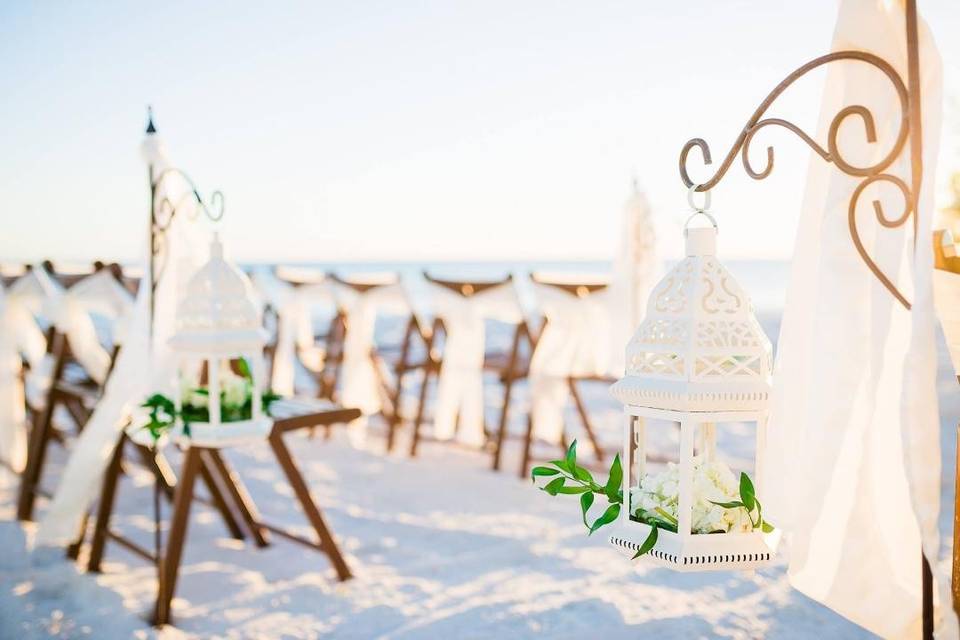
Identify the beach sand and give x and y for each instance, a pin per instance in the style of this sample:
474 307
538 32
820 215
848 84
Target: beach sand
441 548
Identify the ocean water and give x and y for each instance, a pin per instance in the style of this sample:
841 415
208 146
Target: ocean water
765 281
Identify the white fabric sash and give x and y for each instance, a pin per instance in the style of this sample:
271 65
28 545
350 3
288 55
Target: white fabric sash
144 365
20 338
98 294
294 324
574 342
460 383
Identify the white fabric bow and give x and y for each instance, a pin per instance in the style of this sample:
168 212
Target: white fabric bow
460 382
574 343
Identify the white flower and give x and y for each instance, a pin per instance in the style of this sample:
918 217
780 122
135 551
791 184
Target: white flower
712 482
234 391
200 400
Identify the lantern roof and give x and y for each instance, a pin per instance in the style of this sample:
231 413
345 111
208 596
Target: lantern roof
700 346
217 313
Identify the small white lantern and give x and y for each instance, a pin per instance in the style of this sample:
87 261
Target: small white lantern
699 358
217 322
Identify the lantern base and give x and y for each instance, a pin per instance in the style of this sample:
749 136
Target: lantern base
226 434
699 552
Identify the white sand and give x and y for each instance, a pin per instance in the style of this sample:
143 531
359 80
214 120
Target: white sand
441 548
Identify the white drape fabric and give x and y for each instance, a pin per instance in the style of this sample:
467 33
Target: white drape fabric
361 387
293 305
853 457
635 272
20 339
946 289
574 342
460 382
144 364
98 297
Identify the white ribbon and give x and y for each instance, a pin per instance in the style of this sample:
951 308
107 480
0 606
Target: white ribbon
460 382
294 306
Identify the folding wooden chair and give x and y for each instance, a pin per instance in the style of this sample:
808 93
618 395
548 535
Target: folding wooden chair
396 358
505 364
578 290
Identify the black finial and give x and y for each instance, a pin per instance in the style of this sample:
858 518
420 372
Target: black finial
150 127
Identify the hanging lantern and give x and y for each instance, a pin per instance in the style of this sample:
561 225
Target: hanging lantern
699 359
218 326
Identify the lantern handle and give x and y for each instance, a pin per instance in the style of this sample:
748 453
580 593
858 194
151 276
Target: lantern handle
692 201
699 210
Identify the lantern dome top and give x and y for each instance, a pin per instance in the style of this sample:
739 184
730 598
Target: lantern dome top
700 346
217 312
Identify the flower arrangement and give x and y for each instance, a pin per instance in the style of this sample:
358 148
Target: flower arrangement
236 402
721 503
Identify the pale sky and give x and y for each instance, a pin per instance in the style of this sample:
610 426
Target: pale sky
402 131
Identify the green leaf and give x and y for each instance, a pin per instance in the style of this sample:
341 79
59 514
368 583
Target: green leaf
582 474
664 514
586 501
571 458
648 544
243 368
608 516
728 505
748 494
573 490
553 487
612 488
562 465
766 527
542 471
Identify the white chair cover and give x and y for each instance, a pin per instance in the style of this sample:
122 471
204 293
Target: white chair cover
98 295
460 382
143 366
575 342
361 388
852 467
20 338
293 305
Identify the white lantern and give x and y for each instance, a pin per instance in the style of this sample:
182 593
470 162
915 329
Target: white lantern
698 359
218 322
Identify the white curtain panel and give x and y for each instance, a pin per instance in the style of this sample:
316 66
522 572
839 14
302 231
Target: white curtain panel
575 342
460 383
854 456
144 365
635 272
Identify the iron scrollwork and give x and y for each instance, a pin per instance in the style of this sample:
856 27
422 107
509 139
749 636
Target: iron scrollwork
870 174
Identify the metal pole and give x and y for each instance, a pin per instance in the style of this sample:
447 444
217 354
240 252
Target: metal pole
916 173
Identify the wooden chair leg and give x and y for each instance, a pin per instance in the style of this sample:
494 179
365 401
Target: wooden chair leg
157 463
169 563
394 418
73 549
108 494
598 450
527 444
239 494
208 476
508 377
36 452
309 507
422 401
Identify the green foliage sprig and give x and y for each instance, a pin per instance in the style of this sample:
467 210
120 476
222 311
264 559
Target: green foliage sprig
163 411
570 478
